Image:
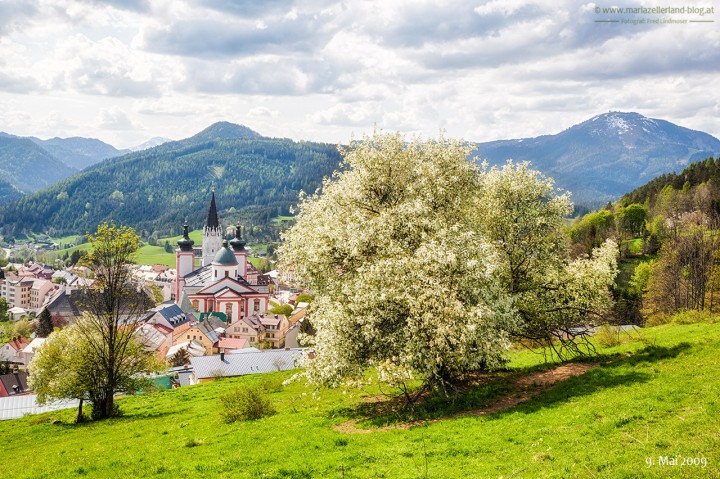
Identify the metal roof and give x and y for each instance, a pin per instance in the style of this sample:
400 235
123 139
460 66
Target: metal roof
248 363
17 406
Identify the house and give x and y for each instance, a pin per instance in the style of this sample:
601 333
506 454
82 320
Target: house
169 315
228 345
14 384
202 333
249 328
16 289
155 337
16 313
39 292
65 303
208 368
193 348
12 350
28 352
275 326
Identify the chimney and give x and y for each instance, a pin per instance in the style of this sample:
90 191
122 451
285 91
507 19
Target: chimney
222 356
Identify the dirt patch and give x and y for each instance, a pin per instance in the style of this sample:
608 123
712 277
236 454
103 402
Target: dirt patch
524 389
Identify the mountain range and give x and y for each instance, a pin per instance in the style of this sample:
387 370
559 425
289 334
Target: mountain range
155 190
257 178
29 164
608 155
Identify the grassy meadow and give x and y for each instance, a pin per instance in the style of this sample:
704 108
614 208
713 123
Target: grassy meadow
648 401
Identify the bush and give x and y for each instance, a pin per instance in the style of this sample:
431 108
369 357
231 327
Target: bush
691 316
608 336
245 403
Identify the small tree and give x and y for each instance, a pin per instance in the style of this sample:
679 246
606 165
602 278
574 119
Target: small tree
3 309
181 358
69 365
44 324
113 303
61 369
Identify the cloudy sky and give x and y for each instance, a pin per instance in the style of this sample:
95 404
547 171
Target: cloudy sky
126 70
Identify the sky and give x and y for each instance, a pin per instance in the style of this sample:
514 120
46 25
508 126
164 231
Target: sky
127 70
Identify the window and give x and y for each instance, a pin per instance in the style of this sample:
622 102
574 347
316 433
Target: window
228 310
227 273
245 330
242 306
195 304
257 305
252 340
188 336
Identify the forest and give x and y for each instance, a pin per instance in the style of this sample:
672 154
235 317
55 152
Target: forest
669 245
157 190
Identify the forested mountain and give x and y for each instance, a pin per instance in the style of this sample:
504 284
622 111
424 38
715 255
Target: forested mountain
155 190
604 157
27 166
8 192
77 152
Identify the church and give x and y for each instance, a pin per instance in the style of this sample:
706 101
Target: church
223 282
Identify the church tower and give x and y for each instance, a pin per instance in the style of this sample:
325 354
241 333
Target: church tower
238 247
212 234
184 261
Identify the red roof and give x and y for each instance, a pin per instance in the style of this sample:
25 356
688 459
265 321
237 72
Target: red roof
162 328
232 343
18 343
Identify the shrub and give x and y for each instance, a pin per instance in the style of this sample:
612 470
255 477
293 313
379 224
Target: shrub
691 316
608 336
245 403
657 319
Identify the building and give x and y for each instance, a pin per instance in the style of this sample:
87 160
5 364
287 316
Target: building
13 384
208 368
12 350
224 283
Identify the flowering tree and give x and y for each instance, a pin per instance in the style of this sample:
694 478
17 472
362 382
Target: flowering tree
556 299
419 264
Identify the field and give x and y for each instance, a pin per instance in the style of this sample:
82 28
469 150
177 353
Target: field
147 254
643 404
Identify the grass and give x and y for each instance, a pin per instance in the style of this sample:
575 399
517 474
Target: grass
147 254
652 397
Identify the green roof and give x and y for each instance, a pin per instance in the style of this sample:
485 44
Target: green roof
225 257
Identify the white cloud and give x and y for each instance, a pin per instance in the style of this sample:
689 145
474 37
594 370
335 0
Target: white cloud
323 69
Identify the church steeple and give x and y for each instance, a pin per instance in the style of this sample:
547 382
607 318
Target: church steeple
212 233
212 218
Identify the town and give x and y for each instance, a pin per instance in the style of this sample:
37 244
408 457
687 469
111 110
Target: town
213 309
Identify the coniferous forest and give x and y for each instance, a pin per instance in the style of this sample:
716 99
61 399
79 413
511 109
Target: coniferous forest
155 191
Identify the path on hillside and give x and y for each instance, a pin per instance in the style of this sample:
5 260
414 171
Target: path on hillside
524 389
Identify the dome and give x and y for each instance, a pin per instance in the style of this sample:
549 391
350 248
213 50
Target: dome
225 257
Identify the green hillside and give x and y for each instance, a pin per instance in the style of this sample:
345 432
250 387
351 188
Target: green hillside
652 398
155 190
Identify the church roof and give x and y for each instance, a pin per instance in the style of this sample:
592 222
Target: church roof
212 218
225 257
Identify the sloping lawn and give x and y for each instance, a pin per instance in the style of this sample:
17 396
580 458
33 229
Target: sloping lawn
644 404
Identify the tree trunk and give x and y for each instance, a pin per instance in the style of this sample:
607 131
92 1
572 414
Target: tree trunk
80 417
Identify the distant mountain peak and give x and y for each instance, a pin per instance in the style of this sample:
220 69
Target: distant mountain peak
151 143
608 155
224 130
